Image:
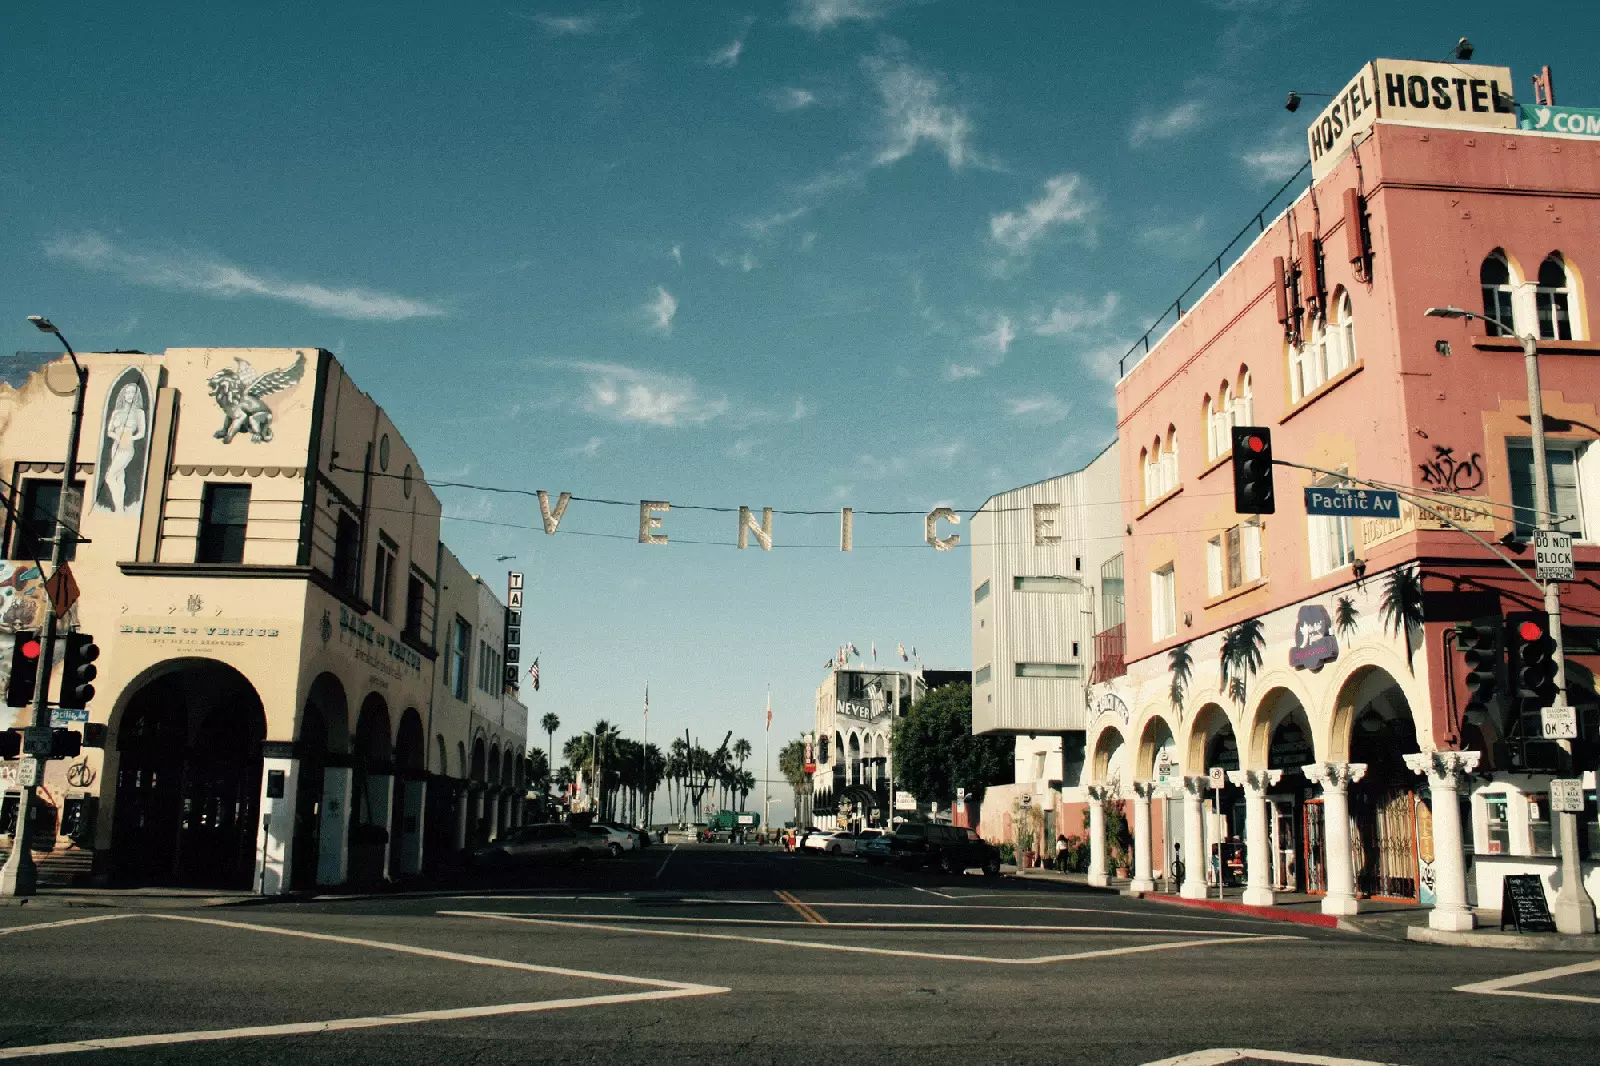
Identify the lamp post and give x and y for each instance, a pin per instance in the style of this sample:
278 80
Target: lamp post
19 876
1574 912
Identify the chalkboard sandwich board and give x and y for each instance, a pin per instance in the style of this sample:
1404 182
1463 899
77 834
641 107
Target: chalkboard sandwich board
1522 902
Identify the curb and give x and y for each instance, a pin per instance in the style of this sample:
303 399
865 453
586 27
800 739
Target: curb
1271 914
1423 934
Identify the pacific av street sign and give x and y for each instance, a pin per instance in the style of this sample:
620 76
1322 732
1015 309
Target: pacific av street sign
1352 503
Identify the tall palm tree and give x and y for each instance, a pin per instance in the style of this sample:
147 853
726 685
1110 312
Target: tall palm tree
550 723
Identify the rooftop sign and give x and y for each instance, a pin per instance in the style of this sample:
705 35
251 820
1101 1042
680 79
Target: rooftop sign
1403 90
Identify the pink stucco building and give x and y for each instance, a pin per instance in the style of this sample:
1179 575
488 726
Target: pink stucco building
1318 333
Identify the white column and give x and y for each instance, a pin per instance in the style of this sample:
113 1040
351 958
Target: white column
492 802
1097 836
380 804
333 864
463 801
1258 861
1335 779
1143 881
1444 771
280 778
1194 838
413 805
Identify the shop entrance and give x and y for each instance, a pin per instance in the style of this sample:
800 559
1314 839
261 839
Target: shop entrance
1288 751
1383 840
189 778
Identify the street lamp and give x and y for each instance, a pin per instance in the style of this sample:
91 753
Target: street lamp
1574 911
19 876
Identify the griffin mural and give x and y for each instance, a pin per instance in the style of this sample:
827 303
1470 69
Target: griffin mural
241 393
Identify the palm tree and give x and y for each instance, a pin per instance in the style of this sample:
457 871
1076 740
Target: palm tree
1181 664
1345 616
792 765
1242 645
1401 608
550 723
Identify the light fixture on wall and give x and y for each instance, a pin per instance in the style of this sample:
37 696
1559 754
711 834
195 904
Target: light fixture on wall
1464 50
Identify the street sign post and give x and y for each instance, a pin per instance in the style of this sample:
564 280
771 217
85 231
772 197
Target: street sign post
1552 552
1558 723
1337 502
1566 795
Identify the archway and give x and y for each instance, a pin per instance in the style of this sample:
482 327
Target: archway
324 731
1213 745
855 759
1281 739
188 776
372 789
1374 725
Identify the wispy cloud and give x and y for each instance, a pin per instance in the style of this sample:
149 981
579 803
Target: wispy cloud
1046 408
1278 158
1063 201
743 448
1073 314
563 25
954 371
189 270
744 262
662 310
589 448
1174 122
991 345
800 409
677 254
819 15
913 112
793 99
997 341
1173 234
728 54
647 397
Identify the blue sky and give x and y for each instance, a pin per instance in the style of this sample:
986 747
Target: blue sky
796 253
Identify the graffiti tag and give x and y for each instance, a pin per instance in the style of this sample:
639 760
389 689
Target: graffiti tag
1445 471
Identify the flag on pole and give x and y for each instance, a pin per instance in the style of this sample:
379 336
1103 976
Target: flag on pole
647 703
855 650
902 649
769 711
874 651
533 673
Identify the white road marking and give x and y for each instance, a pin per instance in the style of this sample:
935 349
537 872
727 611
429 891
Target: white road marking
1508 986
664 862
658 989
63 924
816 945
987 927
931 892
1218 1055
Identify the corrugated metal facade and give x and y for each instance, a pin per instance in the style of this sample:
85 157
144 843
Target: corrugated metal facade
1044 626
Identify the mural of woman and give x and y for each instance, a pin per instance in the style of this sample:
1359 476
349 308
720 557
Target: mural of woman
124 446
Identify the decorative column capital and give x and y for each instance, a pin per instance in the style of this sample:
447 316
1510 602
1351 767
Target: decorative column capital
1443 769
1099 793
1144 789
1196 786
1335 776
1255 780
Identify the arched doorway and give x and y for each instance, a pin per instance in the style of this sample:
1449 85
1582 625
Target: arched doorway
1374 723
1294 808
324 732
373 762
189 777
1212 744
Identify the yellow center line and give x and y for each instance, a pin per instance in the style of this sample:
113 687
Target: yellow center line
800 908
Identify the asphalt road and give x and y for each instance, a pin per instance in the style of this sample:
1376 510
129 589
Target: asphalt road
715 954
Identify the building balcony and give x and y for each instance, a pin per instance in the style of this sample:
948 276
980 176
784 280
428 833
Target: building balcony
1110 649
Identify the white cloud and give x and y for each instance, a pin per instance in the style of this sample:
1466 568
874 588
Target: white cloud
1045 407
1183 118
998 340
662 310
793 99
800 409
819 15
876 467
566 25
201 272
946 454
743 448
744 262
913 113
1179 234
677 254
1062 202
1072 314
959 371
1278 159
728 55
589 448
649 397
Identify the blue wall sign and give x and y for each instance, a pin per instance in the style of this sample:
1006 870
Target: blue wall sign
1352 503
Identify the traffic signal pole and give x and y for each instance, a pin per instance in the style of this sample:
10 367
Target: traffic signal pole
19 876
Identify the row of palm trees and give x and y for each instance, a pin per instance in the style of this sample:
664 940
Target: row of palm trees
624 775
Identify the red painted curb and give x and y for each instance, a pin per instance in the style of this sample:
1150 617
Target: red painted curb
1274 914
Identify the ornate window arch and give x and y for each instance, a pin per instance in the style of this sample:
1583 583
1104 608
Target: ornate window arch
1497 281
1555 300
1328 349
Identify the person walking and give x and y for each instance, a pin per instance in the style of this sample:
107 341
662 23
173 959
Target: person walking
1061 853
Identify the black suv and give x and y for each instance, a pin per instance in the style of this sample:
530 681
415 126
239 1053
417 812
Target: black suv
949 848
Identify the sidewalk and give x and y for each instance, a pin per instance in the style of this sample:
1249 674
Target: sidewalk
142 899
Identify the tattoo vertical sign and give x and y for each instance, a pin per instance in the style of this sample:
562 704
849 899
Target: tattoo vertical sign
513 627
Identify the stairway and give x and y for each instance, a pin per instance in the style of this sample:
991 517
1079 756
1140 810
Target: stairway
60 869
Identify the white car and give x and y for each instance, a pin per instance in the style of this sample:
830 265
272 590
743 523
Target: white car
617 840
833 843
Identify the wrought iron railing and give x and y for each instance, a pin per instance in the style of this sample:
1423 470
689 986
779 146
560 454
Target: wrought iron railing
1110 649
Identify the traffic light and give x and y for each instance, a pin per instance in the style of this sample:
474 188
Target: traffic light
65 743
1252 470
25 652
78 670
1536 664
10 743
1479 642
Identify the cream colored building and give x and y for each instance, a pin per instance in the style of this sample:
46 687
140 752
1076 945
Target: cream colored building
260 564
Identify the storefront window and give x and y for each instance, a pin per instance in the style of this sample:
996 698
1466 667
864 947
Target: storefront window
1498 830
1540 837
1589 827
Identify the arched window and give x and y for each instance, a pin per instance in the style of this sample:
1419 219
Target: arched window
1244 403
1329 348
1341 335
1234 407
1495 277
1161 466
1554 299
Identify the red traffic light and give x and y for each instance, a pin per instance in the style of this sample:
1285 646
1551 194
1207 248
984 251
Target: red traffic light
1530 630
31 649
1256 444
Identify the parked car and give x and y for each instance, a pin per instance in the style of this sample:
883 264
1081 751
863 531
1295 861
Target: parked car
641 837
617 839
807 838
838 843
546 842
914 845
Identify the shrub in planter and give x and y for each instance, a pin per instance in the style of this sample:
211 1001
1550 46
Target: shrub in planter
1008 853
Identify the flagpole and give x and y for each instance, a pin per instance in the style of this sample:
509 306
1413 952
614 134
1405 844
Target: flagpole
766 769
644 754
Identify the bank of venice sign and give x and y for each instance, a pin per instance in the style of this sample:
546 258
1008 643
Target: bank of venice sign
1579 121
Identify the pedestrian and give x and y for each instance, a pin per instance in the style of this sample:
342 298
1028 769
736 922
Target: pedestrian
1061 853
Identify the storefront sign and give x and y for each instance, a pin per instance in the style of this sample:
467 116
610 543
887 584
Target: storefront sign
1523 903
1462 515
1314 642
177 635
1110 703
903 801
383 653
1581 121
1399 90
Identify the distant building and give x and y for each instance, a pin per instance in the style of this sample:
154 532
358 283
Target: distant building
1046 595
